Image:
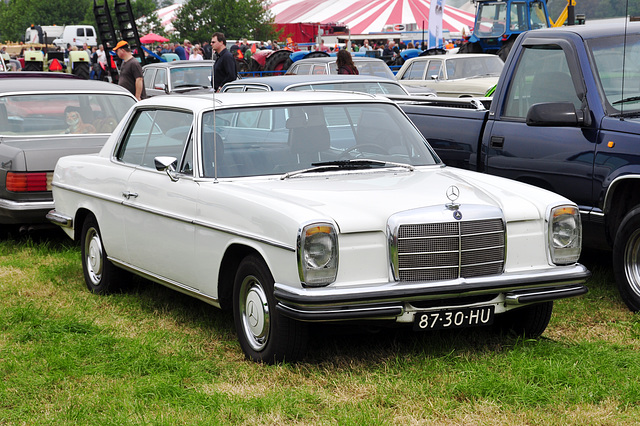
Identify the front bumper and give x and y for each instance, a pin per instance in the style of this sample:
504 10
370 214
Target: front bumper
394 299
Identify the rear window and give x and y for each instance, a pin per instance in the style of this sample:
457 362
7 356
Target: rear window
55 114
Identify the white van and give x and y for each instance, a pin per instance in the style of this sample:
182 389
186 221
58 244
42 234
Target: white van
76 35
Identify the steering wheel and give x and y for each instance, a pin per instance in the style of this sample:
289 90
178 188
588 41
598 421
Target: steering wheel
376 149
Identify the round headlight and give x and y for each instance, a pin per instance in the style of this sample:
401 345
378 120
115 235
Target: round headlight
565 231
318 250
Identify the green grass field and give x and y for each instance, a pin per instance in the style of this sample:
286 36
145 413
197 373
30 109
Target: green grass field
154 356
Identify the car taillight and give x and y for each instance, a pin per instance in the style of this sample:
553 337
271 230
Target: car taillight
29 182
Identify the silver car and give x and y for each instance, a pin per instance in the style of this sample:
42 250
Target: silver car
41 120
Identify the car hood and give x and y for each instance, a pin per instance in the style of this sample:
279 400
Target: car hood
360 202
42 153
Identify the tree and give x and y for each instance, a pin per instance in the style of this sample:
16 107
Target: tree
198 19
18 15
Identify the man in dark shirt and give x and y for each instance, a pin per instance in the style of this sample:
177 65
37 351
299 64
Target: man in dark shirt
130 72
224 69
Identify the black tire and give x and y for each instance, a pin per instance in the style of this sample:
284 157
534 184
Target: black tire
470 48
265 335
33 66
81 69
626 259
277 61
242 65
530 321
506 48
100 275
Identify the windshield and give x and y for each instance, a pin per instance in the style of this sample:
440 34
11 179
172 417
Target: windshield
274 140
490 65
190 77
491 19
53 114
621 86
375 67
371 87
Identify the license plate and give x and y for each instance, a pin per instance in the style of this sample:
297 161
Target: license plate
453 318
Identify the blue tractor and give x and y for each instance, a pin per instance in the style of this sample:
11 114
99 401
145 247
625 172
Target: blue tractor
499 22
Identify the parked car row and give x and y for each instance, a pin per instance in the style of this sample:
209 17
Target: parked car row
284 208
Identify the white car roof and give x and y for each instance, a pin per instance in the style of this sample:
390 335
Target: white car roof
227 100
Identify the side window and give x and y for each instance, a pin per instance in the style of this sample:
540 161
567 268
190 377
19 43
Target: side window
303 69
416 71
160 78
155 133
319 69
148 77
542 75
434 69
186 167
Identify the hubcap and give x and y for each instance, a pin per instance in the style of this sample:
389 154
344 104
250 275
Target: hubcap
254 312
93 253
631 262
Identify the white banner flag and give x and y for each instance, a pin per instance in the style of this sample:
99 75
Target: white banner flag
435 23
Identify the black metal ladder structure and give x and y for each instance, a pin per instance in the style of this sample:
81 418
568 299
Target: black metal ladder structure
108 34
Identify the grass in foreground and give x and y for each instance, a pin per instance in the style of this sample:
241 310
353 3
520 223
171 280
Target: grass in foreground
154 356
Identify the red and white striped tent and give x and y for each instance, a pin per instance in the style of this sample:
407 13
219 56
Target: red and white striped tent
368 16
361 16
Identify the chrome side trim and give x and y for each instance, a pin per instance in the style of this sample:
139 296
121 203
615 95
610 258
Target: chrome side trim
18 206
174 285
60 219
183 219
606 205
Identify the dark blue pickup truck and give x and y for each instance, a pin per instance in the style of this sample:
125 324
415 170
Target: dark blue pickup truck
565 116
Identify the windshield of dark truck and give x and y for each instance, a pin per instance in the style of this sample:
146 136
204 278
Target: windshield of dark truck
617 65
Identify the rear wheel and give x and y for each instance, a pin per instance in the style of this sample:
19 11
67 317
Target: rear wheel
265 335
100 275
530 321
626 259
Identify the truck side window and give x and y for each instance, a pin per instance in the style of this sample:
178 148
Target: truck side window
542 75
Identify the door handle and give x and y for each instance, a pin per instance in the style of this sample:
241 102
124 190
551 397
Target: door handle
496 142
129 195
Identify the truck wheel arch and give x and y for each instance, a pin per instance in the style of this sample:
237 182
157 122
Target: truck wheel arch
621 197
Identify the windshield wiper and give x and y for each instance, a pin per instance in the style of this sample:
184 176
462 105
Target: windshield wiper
346 165
625 100
196 86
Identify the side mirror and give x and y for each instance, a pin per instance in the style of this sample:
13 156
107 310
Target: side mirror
555 114
161 86
167 164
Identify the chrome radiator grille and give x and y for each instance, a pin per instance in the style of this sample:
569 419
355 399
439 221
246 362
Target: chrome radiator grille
450 250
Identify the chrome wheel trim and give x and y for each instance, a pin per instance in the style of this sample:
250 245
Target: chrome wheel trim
632 262
93 256
254 313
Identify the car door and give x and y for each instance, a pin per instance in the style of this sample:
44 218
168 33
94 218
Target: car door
556 158
160 208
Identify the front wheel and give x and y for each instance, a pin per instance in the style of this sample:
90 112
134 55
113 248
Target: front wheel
626 259
100 275
530 321
265 335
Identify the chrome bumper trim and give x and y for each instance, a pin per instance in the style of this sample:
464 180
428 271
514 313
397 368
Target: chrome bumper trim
60 219
25 205
380 300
